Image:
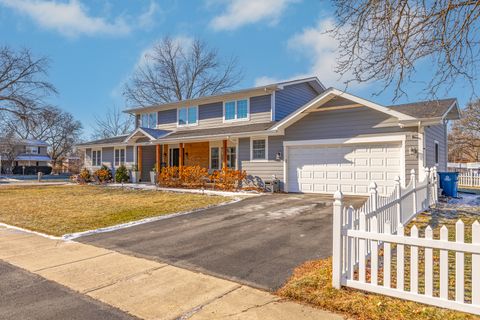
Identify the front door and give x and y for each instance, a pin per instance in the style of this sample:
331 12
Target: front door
174 157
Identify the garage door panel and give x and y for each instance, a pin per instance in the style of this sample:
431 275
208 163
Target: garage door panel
326 169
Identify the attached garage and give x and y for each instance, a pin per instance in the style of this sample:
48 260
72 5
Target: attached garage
326 168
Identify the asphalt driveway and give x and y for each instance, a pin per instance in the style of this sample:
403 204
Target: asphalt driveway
257 241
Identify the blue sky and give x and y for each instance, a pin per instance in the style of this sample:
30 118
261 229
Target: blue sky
94 45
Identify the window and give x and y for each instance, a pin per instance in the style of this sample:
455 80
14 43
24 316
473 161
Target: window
32 150
96 158
215 158
119 157
436 152
187 116
149 120
231 157
236 110
259 149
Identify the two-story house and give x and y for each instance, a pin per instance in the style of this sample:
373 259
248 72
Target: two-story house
24 156
311 138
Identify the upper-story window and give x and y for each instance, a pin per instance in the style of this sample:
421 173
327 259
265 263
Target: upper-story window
188 116
236 110
149 120
32 150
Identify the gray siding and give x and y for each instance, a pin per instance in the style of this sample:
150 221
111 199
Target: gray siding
260 108
432 134
148 162
291 98
129 154
107 157
346 123
261 170
167 119
211 115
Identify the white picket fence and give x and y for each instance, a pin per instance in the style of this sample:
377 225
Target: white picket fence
371 241
469 179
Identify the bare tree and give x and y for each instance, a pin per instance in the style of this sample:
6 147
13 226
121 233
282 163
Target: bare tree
464 137
174 71
114 123
385 40
8 152
50 124
23 88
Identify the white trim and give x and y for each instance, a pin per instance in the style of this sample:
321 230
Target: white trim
139 129
210 157
124 148
285 168
96 157
266 148
327 96
289 83
450 109
236 110
187 124
366 139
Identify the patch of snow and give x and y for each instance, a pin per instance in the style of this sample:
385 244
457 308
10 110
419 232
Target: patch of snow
286 212
464 200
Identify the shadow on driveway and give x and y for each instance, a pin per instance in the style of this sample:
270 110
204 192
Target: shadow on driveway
257 241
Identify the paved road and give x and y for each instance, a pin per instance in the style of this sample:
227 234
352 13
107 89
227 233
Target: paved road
257 241
24 295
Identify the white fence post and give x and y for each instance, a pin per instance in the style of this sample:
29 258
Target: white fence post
413 180
429 182
435 184
337 240
374 205
398 196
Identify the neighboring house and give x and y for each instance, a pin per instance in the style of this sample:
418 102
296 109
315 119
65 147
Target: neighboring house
24 156
312 138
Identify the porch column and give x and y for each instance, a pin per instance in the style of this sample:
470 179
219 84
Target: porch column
180 161
165 151
158 157
139 159
224 160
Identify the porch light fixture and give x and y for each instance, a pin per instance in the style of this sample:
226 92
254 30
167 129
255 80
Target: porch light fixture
278 156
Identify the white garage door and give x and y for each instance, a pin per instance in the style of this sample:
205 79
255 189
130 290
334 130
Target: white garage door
326 169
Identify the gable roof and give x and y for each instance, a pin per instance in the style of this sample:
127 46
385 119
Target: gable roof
330 94
259 90
112 140
427 109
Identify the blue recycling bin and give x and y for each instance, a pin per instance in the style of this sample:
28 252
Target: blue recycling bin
449 183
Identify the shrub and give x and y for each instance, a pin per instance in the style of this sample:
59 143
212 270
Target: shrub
228 179
121 174
103 175
169 177
83 177
193 176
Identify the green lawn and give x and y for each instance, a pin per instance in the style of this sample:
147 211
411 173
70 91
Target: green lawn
59 210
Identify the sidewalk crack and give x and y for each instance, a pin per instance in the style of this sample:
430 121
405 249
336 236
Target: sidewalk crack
196 309
148 271
70 262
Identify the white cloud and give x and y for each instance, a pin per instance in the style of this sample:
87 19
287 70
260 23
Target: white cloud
147 19
72 18
242 12
320 48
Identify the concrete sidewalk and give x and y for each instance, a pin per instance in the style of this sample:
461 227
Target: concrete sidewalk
144 288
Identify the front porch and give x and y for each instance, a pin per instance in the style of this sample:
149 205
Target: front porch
212 155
